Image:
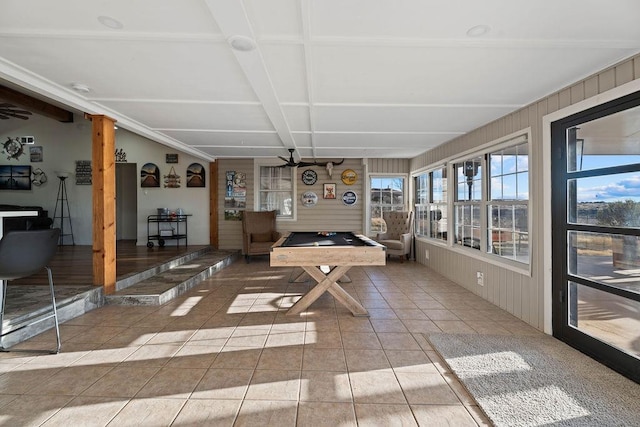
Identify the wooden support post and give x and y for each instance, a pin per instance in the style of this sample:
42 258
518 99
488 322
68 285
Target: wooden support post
104 202
213 204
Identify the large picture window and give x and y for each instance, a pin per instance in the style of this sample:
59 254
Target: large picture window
491 206
387 194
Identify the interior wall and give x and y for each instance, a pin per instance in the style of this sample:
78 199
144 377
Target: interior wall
326 215
520 293
64 143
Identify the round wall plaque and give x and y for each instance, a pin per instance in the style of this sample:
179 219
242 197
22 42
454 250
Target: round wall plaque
309 199
309 177
349 176
349 198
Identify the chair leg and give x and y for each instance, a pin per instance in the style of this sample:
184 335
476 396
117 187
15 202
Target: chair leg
55 312
4 296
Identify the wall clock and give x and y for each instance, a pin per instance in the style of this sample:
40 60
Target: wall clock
13 148
309 177
309 199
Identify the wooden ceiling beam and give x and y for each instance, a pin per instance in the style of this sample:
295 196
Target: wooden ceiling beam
35 105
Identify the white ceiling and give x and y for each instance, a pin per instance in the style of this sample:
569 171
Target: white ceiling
331 78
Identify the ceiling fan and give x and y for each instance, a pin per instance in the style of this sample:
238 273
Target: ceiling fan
290 163
9 110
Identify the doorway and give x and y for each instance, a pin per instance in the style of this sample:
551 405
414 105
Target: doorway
595 170
126 202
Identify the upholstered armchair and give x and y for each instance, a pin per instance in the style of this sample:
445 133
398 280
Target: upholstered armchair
258 233
398 236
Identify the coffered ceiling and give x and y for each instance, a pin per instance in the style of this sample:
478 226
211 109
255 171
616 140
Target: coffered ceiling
330 78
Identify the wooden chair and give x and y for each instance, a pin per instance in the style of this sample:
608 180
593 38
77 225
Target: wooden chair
398 236
258 233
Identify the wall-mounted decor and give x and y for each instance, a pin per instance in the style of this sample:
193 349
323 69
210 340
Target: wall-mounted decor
83 172
38 177
121 156
349 176
171 158
172 179
309 199
36 154
349 198
149 176
236 193
232 215
309 177
329 191
13 148
196 175
15 177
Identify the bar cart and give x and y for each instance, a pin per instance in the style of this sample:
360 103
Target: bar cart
167 227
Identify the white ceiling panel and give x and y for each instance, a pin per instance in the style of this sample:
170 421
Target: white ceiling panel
418 118
195 115
286 67
328 78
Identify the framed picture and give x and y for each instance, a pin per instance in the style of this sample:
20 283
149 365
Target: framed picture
15 177
149 176
171 158
329 191
196 175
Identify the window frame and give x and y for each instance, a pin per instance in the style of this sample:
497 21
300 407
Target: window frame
258 164
370 204
429 203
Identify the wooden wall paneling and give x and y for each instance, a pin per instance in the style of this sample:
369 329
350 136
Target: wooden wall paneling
564 98
636 67
591 87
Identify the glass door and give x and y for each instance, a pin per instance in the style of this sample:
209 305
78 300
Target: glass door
596 233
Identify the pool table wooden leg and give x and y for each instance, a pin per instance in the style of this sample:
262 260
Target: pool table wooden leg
327 283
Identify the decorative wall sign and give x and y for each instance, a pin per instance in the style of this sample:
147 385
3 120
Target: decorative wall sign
349 177
121 156
15 177
349 198
149 176
13 148
36 154
309 199
172 179
171 158
309 177
83 172
232 215
236 195
196 175
329 191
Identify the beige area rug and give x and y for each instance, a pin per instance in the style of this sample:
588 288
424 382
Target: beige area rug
538 381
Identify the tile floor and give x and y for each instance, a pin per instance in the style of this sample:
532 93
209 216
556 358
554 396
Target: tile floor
226 354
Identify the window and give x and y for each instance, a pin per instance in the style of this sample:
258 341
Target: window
387 194
431 204
508 208
495 184
468 202
276 191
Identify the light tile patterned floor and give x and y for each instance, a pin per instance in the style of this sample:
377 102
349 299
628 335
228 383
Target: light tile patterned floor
226 354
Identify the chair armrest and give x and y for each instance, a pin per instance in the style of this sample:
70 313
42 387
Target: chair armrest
381 236
405 238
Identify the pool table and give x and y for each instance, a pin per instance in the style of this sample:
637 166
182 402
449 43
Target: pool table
338 250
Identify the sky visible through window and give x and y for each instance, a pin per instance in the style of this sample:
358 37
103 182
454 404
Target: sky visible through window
608 188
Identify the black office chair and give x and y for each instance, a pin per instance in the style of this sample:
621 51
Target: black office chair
23 253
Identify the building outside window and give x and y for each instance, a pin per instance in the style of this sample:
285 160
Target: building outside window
386 194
